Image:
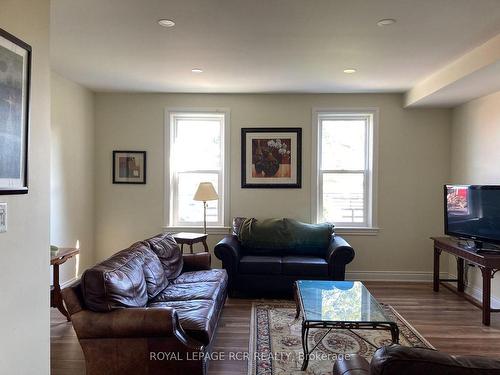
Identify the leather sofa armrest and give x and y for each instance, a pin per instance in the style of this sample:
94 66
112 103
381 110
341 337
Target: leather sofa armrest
338 255
228 250
352 365
196 262
144 322
397 359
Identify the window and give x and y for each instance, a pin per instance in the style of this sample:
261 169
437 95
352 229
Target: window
196 154
345 179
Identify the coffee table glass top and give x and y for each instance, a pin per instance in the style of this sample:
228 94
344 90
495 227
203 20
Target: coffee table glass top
338 301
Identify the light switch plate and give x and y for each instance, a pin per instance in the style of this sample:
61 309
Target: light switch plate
3 217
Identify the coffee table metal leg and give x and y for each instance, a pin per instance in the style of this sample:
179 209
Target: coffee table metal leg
395 333
305 332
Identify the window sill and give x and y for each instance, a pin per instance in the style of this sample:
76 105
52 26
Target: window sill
210 230
353 231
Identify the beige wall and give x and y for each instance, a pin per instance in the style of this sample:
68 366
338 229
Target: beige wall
72 172
24 249
476 153
414 161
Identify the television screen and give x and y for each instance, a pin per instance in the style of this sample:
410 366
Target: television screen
473 211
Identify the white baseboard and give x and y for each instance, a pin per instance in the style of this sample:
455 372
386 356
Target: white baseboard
472 291
68 282
477 293
392 276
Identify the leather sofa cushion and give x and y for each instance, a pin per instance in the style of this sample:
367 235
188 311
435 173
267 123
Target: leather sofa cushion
198 318
153 272
284 237
260 265
304 266
169 253
355 365
190 291
117 282
201 276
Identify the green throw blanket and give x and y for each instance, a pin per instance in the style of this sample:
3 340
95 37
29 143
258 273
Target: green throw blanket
285 235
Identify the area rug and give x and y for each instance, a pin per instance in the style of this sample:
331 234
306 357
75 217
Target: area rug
276 346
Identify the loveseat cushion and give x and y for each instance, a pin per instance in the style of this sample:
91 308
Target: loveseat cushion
169 253
284 237
117 282
304 266
260 265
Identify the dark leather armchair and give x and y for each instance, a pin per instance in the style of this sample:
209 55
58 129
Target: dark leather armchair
399 360
268 273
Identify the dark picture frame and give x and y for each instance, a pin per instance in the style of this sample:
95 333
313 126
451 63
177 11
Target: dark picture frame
271 158
15 101
129 167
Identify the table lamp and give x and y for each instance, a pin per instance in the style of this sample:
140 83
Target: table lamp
204 193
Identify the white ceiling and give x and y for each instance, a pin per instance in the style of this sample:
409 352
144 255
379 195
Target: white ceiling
263 45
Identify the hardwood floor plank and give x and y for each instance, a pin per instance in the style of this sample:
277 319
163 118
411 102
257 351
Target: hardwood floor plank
447 321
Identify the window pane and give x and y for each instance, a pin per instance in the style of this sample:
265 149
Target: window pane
343 144
191 211
343 197
197 144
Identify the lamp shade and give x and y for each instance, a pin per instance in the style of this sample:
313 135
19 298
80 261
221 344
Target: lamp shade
205 192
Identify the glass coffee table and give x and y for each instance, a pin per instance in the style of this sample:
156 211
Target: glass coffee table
338 305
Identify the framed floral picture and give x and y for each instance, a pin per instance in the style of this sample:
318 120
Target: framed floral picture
129 167
15 71
271 158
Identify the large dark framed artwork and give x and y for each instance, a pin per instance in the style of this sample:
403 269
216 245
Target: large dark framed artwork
271 158
15 77
129 167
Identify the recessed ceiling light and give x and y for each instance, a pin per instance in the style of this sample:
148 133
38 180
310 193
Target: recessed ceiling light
166 23
197 70
386 22
349 71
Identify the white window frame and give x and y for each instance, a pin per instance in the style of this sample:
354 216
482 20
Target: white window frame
370 116
170 191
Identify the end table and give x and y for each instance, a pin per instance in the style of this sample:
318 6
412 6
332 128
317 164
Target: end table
186 238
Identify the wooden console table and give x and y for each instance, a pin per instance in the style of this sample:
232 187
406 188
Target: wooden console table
489 264
55 291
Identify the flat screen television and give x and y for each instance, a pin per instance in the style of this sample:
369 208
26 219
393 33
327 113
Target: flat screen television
473 212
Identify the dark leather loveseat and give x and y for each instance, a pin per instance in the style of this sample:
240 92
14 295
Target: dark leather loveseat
148 310
402 360
259 270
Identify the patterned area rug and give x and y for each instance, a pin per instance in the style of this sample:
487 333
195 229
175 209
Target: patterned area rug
276 346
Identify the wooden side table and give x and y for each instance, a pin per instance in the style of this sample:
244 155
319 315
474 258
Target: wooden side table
55 291
186 238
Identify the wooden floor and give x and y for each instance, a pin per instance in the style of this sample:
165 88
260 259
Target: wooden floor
449 322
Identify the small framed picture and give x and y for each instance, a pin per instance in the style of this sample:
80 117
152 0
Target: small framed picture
129 167
271 158
15 72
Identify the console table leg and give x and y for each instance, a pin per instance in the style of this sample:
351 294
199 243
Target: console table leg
487 275
437 253
460 275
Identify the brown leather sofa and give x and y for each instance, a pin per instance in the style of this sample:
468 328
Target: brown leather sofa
148 310
401 360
